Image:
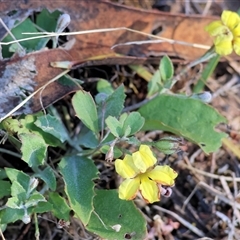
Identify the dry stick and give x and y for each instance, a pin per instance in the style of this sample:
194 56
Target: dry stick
13 37
226 87
181 220
235 210
207 174
207 7
34 93
1 234
214 192
49 34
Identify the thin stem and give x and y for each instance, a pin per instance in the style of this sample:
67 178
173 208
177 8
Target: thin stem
37 233
10 153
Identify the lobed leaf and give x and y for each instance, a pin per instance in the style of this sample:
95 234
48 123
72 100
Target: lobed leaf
114 218
47 175
34 149
53 126
60 207
10 215
183 116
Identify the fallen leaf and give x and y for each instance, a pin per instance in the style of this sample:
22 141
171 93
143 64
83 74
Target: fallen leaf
89 15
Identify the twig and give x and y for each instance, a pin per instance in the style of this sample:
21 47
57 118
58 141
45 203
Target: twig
226 86
50 34
214 192
207 174
1 234
13 37
181 220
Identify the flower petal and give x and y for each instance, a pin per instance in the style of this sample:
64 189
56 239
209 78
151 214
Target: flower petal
128 188
223 46
230 19
149 189
215 28
126 168
236 31
163 175
236 46
144 159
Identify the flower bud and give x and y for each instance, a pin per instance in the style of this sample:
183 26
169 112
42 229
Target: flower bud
205 97
109 156
26 218
33 184
168 145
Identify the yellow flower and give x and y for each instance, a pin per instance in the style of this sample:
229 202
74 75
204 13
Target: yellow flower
226 33
142 174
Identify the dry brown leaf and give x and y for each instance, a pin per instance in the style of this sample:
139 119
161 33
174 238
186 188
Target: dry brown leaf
86 15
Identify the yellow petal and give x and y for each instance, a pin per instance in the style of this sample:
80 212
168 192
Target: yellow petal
128 188
215 28
236 46
236 31
163 175
230 19
223 46
144 159
126 168
149 189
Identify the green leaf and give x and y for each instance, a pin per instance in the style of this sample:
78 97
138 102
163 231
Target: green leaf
47 21
60 208
183 116
42 207
18 176
78 175
114 218
166 68
85 109
14 202
104 86
34 199
34 149
133 141
10 215
5 187
47 175
27 125
87 138
154 84
113 105
135 121
53 126
26 26
18 191
114 126
68 81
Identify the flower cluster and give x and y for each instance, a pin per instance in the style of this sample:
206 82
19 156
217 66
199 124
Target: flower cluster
226 33
142 174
